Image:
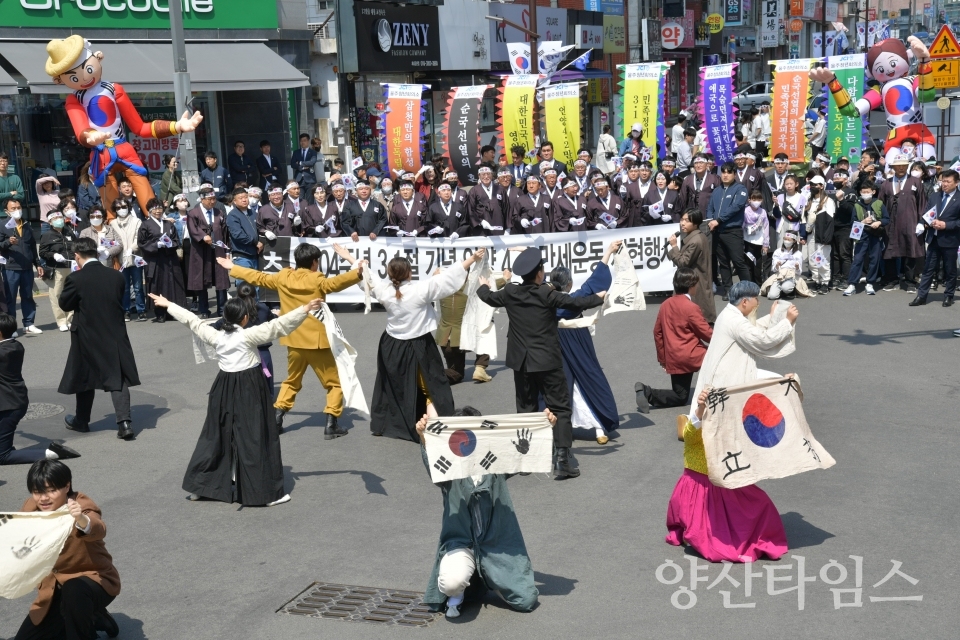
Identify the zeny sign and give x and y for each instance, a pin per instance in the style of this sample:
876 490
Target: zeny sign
392 38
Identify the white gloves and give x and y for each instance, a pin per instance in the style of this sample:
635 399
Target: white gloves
486 225
919 229
524 223
59 258
612 225
413 233
454 235
577 221
319 228
600 225
297 220
161 245
435 231
271 236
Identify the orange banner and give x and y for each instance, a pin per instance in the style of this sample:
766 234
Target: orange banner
791 92
401 127
796 8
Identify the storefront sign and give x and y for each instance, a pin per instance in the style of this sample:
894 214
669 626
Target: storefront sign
393 38
652 49
608 7
687 27
791 92
402 128
562 106
614 34
715 20
516 104
152 150
589 36
671 35
733 12
594 91
551 25
716 109
138 14
463 131
642 92
772 11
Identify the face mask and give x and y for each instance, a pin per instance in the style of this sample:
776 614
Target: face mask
16 214
387 189
755 204
182 206
69 213
123 213
58 223
788 244
815 165
916 173
96 221
838 185
867 197
814 188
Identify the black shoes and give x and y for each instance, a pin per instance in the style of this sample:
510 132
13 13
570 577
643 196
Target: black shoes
948 302
160 319
73 425
333 430
280 414
567 466
141 317
124 431
103 621
643 404
204 316
63 451
918 301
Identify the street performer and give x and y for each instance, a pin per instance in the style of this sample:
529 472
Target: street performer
98 110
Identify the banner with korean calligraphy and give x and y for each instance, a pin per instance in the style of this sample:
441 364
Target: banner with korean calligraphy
845 133
517 112
462 131
788 104
642 92
402 126
771 13
561 102
716 109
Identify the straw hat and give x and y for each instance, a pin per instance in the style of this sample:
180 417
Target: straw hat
65 54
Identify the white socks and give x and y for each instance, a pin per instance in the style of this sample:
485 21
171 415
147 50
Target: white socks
453 606
285 498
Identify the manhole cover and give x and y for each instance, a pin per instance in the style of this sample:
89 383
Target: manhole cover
361 604
40 410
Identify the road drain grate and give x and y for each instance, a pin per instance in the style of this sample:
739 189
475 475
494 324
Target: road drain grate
361 604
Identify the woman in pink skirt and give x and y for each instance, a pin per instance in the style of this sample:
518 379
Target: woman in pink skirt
736 525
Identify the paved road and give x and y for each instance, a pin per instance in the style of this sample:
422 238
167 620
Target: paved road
881 395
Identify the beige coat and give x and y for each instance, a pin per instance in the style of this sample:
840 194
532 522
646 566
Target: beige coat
695 254
113 253
127 228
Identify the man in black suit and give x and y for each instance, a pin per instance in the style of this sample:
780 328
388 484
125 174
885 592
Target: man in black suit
547 161
943 238
533 347
100 353
241 169
363 216
267 165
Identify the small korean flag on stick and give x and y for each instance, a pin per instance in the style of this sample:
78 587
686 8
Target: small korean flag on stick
856 231
930 215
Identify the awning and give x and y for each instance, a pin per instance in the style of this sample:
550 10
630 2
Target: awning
567 75
148 67
8 86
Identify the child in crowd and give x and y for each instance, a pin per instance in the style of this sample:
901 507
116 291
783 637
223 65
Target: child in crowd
756 235
868 250
786 279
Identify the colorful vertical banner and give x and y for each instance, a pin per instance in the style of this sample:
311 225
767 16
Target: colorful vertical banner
716 109
402 125
844 133
791 93
462 131
561 103
517 112
642 91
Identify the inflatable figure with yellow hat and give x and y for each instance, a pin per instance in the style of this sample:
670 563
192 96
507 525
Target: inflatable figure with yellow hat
98 110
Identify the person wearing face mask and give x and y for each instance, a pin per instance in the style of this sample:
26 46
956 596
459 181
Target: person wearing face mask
127 226
868 250
158 241
457 194
905 198
633 143
756 235
56 252
19 249
786 280
109 244
818 230
841 249
385 193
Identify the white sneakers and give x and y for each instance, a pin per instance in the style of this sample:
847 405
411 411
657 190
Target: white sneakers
285 498
32 330
64 328
850 290
453 606
870 291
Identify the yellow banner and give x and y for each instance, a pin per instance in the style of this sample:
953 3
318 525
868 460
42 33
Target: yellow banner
517 112
642 92
562 105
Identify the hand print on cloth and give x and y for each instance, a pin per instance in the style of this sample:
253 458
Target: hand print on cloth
30 544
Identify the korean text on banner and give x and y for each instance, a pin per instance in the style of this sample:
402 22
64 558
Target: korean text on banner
791 92
562 105
579 251
401 125
845 133
771 14
462 131
757 431
716 109
517 111
642 94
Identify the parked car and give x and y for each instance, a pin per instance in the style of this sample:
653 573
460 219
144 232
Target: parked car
753 95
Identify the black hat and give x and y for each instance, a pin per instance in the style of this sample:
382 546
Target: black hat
528 262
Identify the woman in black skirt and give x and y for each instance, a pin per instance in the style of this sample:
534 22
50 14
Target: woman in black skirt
410 373
239 444
158 241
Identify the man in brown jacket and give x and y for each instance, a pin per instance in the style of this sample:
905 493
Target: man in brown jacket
73 599
695 254
308 345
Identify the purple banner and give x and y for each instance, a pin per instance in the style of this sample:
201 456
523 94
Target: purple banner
717 109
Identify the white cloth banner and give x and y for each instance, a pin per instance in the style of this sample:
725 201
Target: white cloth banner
576 250
478 333
757 431
625 293
464 446
30 544
346 357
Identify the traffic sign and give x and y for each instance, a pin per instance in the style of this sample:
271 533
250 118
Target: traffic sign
946 74
945 45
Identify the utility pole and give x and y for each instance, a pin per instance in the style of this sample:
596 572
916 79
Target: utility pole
534 63
182 99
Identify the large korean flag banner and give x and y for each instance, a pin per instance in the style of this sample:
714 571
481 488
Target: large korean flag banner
464 446
791 93
402 126
845 133
757 431
30 544
717 109
642 89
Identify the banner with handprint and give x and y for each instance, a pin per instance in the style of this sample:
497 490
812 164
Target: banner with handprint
464 446
30 544
625 293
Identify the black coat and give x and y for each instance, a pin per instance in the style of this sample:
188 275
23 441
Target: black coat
13 390
53 242
480 207
100 353
23 255
363 223
456 222
532 340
